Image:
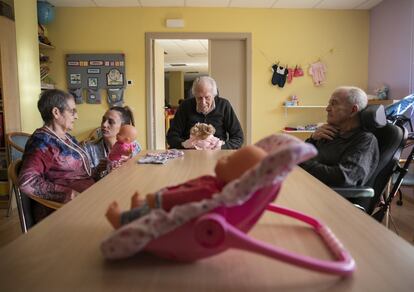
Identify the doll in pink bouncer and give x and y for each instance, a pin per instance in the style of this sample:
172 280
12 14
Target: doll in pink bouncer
124 146
227 169
202 138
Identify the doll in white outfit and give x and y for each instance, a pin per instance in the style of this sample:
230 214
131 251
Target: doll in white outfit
202 138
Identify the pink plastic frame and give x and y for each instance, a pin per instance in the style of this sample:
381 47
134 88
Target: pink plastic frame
226 227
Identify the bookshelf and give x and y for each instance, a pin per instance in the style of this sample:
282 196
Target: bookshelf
44 59
302 133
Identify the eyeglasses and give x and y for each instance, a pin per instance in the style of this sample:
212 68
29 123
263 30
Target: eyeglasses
72 111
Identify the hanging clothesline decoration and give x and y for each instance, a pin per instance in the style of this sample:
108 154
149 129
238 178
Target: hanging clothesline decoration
282 73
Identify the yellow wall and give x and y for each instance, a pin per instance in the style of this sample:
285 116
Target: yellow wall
28 63
176 86
290 36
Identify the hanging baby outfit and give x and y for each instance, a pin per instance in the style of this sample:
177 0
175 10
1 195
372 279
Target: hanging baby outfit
317 70
279 75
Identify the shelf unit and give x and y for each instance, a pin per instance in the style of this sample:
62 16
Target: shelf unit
298 131
300 107
44 66
45 46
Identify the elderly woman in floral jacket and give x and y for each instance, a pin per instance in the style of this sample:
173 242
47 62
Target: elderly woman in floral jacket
54 166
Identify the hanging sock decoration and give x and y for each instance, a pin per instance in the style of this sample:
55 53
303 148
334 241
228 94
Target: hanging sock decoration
290 75
115 96
318 70
77 94
279 75
93 97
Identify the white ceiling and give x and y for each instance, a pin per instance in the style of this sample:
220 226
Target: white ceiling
191 53
194 53
295 4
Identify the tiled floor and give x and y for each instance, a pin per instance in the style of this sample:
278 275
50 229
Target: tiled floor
403 219
9 227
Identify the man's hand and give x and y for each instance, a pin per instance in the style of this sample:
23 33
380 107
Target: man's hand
325 131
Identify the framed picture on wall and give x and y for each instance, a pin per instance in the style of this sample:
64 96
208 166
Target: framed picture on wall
94 71
93 82
75 79
114 77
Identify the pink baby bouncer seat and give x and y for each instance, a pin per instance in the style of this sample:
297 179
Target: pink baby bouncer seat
202 229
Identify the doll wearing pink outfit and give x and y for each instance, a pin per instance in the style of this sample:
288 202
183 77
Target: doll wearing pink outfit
124 146
228 168
202 138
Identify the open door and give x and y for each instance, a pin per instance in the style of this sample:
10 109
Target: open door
239 96
227 65
159 95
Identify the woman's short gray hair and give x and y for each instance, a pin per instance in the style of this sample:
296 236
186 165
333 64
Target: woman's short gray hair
355 95
49 99
204 80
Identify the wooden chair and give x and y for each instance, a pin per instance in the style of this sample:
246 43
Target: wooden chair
94 135
24 201
15 143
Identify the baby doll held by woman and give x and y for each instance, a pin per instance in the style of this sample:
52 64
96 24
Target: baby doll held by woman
227 169
202 138
124 146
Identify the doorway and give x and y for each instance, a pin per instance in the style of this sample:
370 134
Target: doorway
220 46
184 61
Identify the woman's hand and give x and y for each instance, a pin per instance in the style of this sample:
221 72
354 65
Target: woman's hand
102 166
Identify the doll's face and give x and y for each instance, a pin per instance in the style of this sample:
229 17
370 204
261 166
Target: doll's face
126 134
234 165
202 131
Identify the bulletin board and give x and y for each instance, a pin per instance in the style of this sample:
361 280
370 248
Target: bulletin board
95 71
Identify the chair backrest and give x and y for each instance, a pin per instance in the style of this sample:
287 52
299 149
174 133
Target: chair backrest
94 135
24 203
16 141
391 141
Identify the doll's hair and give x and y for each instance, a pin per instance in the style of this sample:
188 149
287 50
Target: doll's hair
202 130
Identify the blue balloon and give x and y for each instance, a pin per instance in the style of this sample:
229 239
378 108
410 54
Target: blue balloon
45 12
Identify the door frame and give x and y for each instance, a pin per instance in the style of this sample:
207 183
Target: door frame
150 37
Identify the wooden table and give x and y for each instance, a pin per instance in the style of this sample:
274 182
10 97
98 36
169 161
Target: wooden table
62 253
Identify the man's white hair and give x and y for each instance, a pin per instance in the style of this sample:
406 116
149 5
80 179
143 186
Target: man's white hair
355 95
203 80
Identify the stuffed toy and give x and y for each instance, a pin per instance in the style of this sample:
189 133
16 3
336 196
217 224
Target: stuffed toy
202 138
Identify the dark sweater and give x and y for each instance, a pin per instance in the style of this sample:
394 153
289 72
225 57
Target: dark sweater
223 118
347 160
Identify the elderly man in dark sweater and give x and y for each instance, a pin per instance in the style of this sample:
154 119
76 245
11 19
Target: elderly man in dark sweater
206 107
347 155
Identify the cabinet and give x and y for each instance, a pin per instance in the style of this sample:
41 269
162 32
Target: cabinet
303 115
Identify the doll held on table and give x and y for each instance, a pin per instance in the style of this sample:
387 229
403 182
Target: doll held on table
202 138
124 146
227 169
